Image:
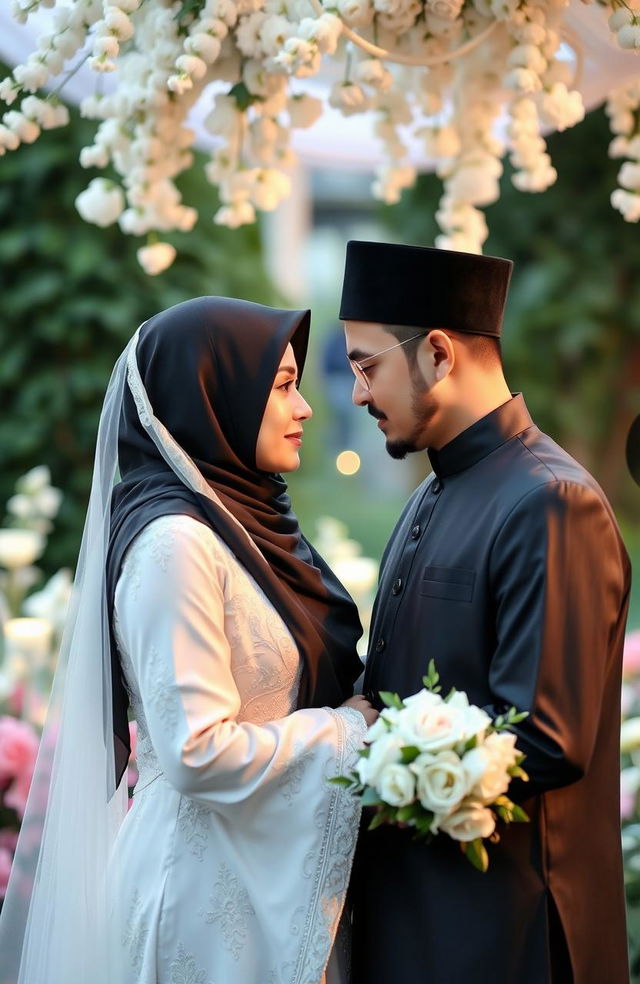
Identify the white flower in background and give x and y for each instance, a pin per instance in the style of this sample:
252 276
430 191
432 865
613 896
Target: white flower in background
627 204
349 98
236 214
561 108
371 71
629 176
468 823
396 784
52 601
629 734
304 110
101 203
269 188
157 257
26 130
165 54
356 13
20 548
35 480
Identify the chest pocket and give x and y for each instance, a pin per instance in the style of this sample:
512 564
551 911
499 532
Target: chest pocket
453 583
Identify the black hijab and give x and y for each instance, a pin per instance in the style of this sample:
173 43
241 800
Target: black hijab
208 367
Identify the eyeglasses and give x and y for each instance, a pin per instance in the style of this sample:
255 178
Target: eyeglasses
359 370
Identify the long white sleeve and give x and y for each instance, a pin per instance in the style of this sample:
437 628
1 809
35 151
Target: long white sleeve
172 627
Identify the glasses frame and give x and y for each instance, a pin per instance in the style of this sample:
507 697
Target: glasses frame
359 369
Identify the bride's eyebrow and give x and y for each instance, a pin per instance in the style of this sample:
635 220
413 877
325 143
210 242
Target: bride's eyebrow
290 369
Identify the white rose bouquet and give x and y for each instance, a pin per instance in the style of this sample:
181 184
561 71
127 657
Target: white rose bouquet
440 765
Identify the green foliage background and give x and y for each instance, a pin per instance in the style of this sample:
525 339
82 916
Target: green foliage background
72 295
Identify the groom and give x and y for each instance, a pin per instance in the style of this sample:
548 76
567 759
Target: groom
506 568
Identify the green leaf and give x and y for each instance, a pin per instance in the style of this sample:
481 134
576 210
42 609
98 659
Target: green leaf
409 754
341 781
410 812
431 679
242 96
476 852
520 815
377 820
390 699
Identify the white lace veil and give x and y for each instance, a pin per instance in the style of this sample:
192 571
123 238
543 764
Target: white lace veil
63 889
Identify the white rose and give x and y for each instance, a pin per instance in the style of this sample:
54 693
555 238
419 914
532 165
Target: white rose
384 751
156 258
476 721
442 782
487 764
396 785
19 548
101 202
472 820
430 724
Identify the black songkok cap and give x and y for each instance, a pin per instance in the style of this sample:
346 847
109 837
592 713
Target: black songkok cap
424 288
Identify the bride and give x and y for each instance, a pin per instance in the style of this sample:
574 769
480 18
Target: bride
200 606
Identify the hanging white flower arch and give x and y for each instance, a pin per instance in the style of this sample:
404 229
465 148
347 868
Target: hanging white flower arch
445 70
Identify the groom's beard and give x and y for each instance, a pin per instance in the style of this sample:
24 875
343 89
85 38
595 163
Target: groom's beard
424 407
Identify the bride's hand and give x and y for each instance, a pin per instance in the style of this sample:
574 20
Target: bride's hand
363 705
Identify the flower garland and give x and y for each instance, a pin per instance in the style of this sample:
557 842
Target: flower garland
445 68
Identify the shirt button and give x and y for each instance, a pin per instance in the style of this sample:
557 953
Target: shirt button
380 644
436 486
396 587
415 532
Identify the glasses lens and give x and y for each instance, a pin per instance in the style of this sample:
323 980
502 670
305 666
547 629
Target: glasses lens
359 374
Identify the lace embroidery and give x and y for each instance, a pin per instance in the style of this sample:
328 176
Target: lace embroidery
290 782
163 698
184 969
334 857
136 932
231 909
194 823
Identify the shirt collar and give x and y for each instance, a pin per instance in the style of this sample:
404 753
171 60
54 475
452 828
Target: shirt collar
483 437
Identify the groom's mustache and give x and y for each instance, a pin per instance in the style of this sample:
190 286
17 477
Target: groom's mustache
375 412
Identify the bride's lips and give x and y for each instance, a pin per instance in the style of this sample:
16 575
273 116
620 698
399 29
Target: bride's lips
295 438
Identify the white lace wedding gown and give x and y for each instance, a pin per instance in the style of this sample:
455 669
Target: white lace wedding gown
236 852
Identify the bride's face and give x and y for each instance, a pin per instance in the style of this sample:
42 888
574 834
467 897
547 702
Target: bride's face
280 436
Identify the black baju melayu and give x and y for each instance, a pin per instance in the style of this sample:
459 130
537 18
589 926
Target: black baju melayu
507 569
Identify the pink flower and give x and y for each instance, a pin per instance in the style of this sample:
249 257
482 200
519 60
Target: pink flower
16 700
8 839
16 795
5 867
18 749
631 654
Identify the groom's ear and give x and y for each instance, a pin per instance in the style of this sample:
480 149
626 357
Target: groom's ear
436 356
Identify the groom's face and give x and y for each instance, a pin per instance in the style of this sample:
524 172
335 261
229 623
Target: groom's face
396 393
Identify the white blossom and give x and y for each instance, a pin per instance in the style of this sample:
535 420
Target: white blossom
156 258
304 110
101 202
